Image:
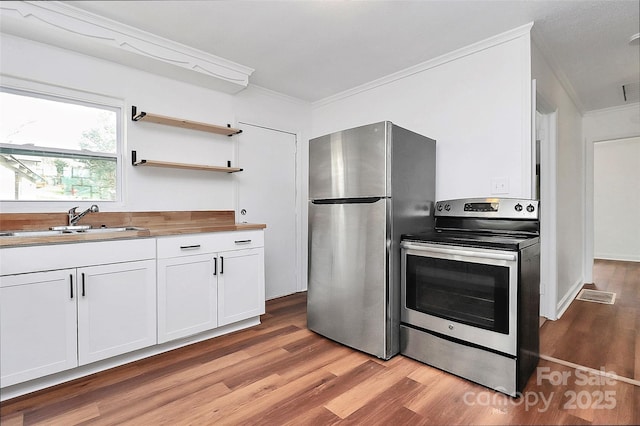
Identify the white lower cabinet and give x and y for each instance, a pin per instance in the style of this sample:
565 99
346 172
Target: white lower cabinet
69 305
60 319
187 296
37 325
208 280
240 285
116 309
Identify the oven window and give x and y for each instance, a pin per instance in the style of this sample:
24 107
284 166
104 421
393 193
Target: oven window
470 293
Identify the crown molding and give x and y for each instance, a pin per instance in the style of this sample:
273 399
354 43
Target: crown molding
432 63
71 28
545 51
274 94
620 108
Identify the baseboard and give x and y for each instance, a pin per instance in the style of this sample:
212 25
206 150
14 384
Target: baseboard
564 303
620 257
20 389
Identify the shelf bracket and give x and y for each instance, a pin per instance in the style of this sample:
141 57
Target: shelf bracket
134 159
135 116
233 134
229 165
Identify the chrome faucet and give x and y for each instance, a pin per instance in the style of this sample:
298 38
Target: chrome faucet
74 218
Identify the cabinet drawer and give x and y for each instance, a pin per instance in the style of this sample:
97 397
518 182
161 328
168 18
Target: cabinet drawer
191 244
239 240
47 257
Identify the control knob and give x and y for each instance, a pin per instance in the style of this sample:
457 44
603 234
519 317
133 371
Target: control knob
530 208
447 207
439 207
518 207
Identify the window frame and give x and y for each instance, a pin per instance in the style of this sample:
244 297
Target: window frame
78 97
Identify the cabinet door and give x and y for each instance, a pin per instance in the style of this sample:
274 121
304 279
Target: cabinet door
116 309
37 325
240 285
187 296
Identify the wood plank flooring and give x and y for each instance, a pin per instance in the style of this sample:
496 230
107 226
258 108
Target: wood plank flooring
280 373
598 335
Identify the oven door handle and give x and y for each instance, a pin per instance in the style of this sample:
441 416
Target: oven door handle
466 253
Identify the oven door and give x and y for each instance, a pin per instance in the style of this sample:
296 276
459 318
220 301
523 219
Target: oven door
465 293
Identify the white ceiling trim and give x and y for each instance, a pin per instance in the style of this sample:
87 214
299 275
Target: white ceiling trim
72 28
280 95
432 63
631 107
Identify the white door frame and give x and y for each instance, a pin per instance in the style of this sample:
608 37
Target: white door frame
300 261
548 210
589 230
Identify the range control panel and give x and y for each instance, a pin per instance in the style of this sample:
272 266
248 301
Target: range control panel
481 207
499 208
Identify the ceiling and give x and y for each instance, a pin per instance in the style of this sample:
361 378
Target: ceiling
314 49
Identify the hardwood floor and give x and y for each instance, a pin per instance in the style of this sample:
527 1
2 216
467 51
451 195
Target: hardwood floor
280 373
597 335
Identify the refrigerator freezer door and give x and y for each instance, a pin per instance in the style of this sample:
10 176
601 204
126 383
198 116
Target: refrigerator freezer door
347 295
351 163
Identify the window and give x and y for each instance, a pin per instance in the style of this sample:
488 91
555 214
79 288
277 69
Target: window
57 149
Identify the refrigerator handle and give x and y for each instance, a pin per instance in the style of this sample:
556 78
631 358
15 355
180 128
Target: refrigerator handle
361 200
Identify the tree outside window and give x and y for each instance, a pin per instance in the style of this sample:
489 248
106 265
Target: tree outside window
55 149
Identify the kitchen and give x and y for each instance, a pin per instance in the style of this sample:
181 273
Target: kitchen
433 99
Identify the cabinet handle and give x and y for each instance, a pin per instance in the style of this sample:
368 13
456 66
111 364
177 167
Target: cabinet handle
71 284
221 265
215 266
242 241
83 293
193 247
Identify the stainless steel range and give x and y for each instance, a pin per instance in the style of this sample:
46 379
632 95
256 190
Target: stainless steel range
470 291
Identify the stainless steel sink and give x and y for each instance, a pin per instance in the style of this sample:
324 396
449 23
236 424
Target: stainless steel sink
45 233
103 230
66 230
70 228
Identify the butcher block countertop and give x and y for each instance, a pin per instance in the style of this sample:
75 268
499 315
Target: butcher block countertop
146 224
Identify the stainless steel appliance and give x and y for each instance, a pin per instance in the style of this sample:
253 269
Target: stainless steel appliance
470 291
367 186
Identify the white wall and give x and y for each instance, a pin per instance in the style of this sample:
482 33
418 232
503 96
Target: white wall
475 102
156 188
569 198
616 195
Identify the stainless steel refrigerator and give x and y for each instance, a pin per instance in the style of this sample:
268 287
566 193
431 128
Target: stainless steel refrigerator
367 186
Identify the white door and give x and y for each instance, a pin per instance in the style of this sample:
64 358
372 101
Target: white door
267 194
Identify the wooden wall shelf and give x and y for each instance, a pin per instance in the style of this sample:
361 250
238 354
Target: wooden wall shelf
154 163
186 124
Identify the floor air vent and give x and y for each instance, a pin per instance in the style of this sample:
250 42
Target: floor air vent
597 296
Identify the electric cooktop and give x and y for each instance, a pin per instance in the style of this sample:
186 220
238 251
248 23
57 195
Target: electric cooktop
474 239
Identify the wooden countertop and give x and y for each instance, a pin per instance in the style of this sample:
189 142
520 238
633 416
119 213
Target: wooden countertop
148 224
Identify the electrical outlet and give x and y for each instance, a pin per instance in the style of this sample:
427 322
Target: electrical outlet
499 185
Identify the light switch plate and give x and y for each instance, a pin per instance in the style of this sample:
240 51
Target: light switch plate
499 185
